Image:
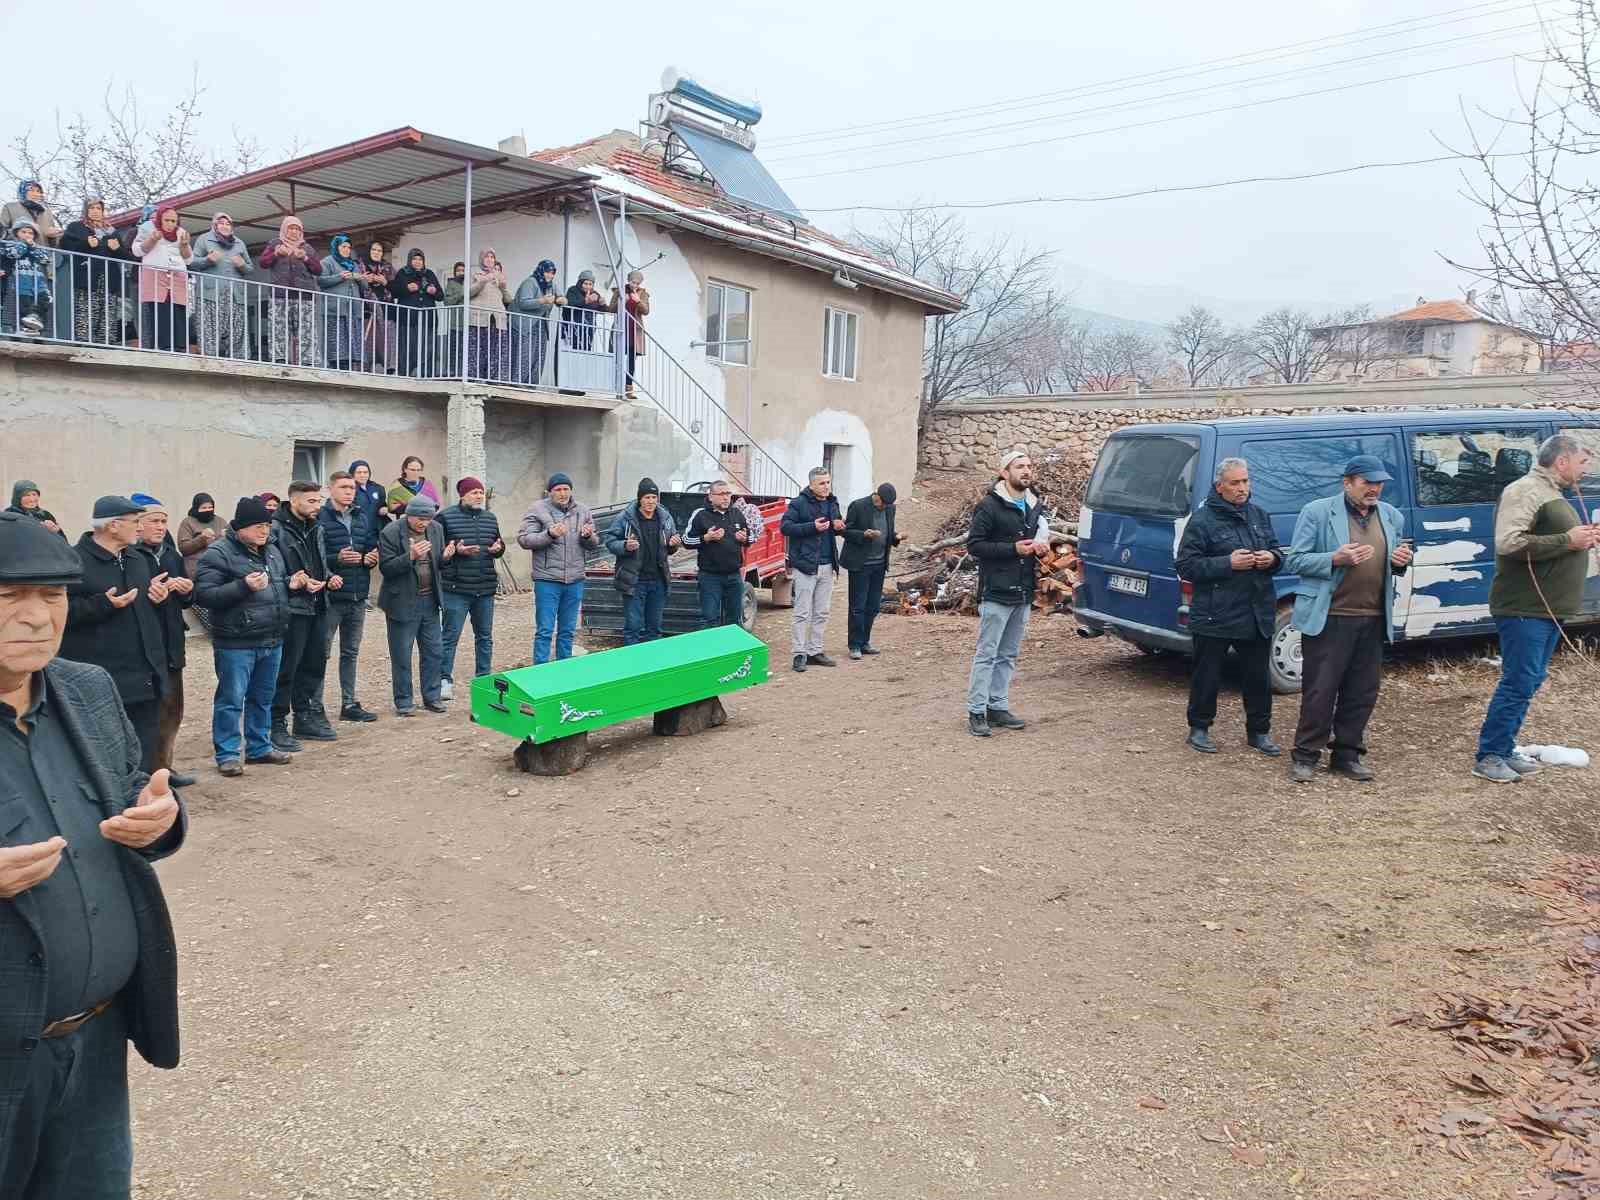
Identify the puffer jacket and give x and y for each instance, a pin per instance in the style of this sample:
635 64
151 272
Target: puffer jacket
1229 603
1004 576
361 537
808 548
242 619
470 574
556 560
629 562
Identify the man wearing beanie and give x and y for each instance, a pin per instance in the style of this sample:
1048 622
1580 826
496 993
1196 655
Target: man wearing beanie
558 530
468 578
868 537
156 543
643 539
112 619
241 580
86 947
718 534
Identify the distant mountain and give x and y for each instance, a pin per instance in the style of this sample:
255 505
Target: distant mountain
1111 323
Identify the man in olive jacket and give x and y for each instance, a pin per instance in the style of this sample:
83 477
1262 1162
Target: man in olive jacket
1230 553
88 961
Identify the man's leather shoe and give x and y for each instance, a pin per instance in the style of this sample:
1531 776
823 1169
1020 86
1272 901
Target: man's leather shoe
869 648
820 660
283 740
1200 739
181 779
354 712
1265 744
1002 718
1300 772
272 758
233 768
1354 769
978 725
435 706
314 727
799 662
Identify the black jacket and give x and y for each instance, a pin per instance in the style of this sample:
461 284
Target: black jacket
398 595
470 574
127 642
1004 576
108 755
301 544
242 619
165 557
809 549
360 537
857 520
629 562
725 556
1228 603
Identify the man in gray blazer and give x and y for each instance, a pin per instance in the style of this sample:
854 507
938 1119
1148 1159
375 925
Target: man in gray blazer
1347 549
87 957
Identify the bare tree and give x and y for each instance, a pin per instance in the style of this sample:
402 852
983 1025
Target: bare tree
124 155
999 284
1357 344
1283 342
1114 358
1533 181
1202 345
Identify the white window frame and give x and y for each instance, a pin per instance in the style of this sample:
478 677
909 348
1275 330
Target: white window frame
714 345
318 453
851 321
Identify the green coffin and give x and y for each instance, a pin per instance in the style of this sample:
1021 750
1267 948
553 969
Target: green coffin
591 691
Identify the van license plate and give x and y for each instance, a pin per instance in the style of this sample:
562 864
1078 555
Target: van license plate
1128 584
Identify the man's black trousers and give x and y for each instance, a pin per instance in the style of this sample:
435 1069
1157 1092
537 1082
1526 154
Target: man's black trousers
1254 678
305 660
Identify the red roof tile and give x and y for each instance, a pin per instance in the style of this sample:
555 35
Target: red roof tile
1441 310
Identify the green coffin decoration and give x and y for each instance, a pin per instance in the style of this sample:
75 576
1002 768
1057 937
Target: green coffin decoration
591 691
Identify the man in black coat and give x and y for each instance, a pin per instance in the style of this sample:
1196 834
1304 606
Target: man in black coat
156 543
812 524
411 559
468 579
1229 552
350 549
87 955
112 620
298 537
869 536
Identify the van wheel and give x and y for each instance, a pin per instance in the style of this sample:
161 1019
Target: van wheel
1284 659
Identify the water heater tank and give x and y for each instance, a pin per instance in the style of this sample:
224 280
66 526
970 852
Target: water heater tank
682 84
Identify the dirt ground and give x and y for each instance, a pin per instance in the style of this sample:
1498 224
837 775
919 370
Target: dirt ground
840 948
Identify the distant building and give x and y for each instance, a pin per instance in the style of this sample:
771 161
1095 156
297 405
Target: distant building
1435 339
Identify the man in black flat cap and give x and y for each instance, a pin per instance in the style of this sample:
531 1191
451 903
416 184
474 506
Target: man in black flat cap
87 953
112 620
868 537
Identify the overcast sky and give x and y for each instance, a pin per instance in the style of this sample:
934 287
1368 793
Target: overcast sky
559 72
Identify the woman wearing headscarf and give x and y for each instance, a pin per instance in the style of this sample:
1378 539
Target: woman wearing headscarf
30 206
452 323
25 496
381 349
638 308
25 293
163 254
577 323
270 499
221 264
536 297
486 319
371 498
344 285
416 290
198 529
411 483
293 269
97 251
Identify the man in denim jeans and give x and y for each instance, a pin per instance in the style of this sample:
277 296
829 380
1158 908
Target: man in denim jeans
1541 551
558 530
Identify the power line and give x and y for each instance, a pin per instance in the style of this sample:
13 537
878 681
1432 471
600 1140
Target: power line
1250 58
1290 73
1208 112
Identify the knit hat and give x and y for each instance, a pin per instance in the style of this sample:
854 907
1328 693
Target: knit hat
887 494
421 506
557 480
31 555
1011 456
108 507
148 502
468 483
647 487
251 510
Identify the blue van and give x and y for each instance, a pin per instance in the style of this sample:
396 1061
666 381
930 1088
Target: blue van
1449 466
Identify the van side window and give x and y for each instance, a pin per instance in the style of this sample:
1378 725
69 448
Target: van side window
1589 437
1470 466
1150 474
1286 474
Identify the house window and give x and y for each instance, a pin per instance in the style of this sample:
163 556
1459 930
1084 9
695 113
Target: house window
1414 339
1495 339
728 323
310 462
1447 339
839 331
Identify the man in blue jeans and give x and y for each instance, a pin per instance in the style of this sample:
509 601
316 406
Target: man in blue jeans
869 536
1541 559
411 559
241 580
472 545
643 539
558 530
719 533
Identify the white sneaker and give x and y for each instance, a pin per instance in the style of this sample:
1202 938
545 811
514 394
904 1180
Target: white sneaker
447 690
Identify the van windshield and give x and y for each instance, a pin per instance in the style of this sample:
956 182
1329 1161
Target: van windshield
1151 474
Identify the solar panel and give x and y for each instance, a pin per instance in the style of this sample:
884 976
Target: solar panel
737 171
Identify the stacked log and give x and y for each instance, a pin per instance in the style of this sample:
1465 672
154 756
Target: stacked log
943 578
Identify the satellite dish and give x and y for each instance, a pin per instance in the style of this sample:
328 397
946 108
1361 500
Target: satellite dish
627 244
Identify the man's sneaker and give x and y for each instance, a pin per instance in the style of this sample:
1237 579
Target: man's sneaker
1353 768
799 662
869 648
1200 739
180 779
233 768
314 727
1302 772
435 706
354 712
855 655
820 660
1002 718
447 689
282 739
1496 770
978 725
1523 765
405 712
272 758
1263 744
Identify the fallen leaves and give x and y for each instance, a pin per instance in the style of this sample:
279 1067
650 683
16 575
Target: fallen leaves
1251 1156
1155 1102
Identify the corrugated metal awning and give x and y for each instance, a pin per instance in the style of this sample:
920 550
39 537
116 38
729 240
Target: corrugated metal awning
402 177
737 171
